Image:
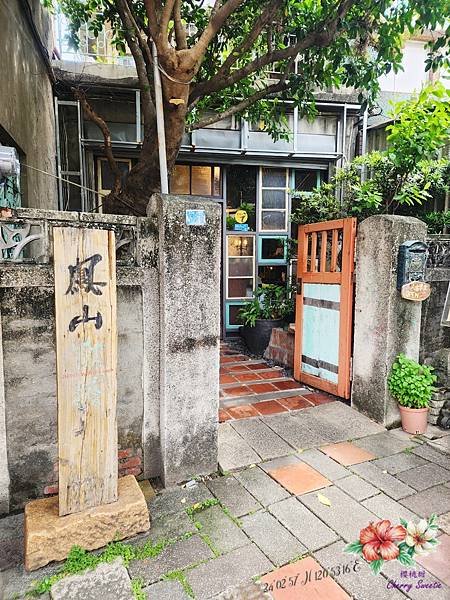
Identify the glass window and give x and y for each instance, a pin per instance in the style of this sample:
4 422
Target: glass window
273 220
198 180
240 266
274 178
233 312
276 275
306 181
272 248
241 189
180 180
106 175
274 199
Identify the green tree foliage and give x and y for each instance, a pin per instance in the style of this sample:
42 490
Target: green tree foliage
404 178
223 63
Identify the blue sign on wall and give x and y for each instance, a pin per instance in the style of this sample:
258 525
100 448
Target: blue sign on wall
241 227
195 217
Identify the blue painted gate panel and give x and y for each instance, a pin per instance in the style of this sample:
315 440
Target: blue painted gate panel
320 344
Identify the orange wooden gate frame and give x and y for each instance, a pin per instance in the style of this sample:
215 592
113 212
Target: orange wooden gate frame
325 269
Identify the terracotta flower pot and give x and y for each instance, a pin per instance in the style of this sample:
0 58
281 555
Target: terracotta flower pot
414 420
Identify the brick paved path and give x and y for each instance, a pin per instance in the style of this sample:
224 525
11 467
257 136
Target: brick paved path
251 388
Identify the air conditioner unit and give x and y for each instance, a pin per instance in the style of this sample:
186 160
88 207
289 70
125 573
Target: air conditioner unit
9 162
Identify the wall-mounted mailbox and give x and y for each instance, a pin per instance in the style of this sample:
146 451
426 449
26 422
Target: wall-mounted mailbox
412 262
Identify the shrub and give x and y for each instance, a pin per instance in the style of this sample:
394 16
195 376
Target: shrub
269 302
411 383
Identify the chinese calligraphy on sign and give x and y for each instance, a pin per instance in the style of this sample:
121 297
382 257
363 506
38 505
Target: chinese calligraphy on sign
86 335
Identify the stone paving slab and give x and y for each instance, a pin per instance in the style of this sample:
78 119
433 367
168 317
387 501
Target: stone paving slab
224 534
169 527
166 590
384 444
425 476
345 516
227 571
277 543
433 500
177 499
386 508
399 462
245 591
234 452
444 522
392 569
432 454
434 432
303 524
442 444
17 582
359 581
11 541
324 464
349 422
356 487
261 438
233 495
108 581
302 432
385 482
261 486
176 556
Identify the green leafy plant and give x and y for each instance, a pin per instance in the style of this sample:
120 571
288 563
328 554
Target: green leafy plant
411 383
436 221
249 209
269 302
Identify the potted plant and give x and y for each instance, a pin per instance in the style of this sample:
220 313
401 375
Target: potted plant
268 309
411 384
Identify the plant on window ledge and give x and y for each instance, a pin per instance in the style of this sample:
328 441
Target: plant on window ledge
249 209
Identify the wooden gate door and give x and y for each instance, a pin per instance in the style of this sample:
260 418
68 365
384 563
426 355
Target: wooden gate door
324 305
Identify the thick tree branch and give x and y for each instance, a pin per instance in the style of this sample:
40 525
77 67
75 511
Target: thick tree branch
165 18
180 31
266 17
150 9
321 36
148 108
217 20
91 115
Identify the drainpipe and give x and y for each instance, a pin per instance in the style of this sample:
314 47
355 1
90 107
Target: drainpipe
160 123
364 143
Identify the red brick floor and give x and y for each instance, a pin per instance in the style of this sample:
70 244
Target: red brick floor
252 388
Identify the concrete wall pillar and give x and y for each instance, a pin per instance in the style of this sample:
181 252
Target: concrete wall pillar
4 472
385 323
189 270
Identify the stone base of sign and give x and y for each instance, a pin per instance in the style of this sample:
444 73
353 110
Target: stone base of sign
49 537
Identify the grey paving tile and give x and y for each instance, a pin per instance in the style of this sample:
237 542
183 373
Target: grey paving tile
352 423
176 556
384 444
245 591
233 495
297 434
432 454
442 444
345 516
284 461
433 500
166 590
392 571
324 464
224 534
17 582
385 482
359 582
444 523
434 432
277 543
399 462
169 526
356 487
177 499
234 452
11 540
425 476
261 486
261 438
227 571
302 523
386 508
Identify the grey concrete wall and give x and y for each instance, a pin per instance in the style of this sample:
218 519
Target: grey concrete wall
189 262
385 323
26 98
168 313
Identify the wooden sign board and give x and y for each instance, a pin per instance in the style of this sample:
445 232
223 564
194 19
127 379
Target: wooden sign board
86 343
416 291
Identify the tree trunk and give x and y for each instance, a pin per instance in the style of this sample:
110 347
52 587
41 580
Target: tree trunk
144 178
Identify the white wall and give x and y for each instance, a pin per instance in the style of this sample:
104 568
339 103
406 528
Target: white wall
413 75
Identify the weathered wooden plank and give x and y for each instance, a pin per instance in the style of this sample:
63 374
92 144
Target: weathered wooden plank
86 340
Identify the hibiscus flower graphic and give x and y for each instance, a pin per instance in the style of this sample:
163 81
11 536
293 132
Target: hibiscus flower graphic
382 541
378 540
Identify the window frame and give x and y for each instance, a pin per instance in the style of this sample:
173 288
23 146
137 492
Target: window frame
212 168
262 210
228 257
